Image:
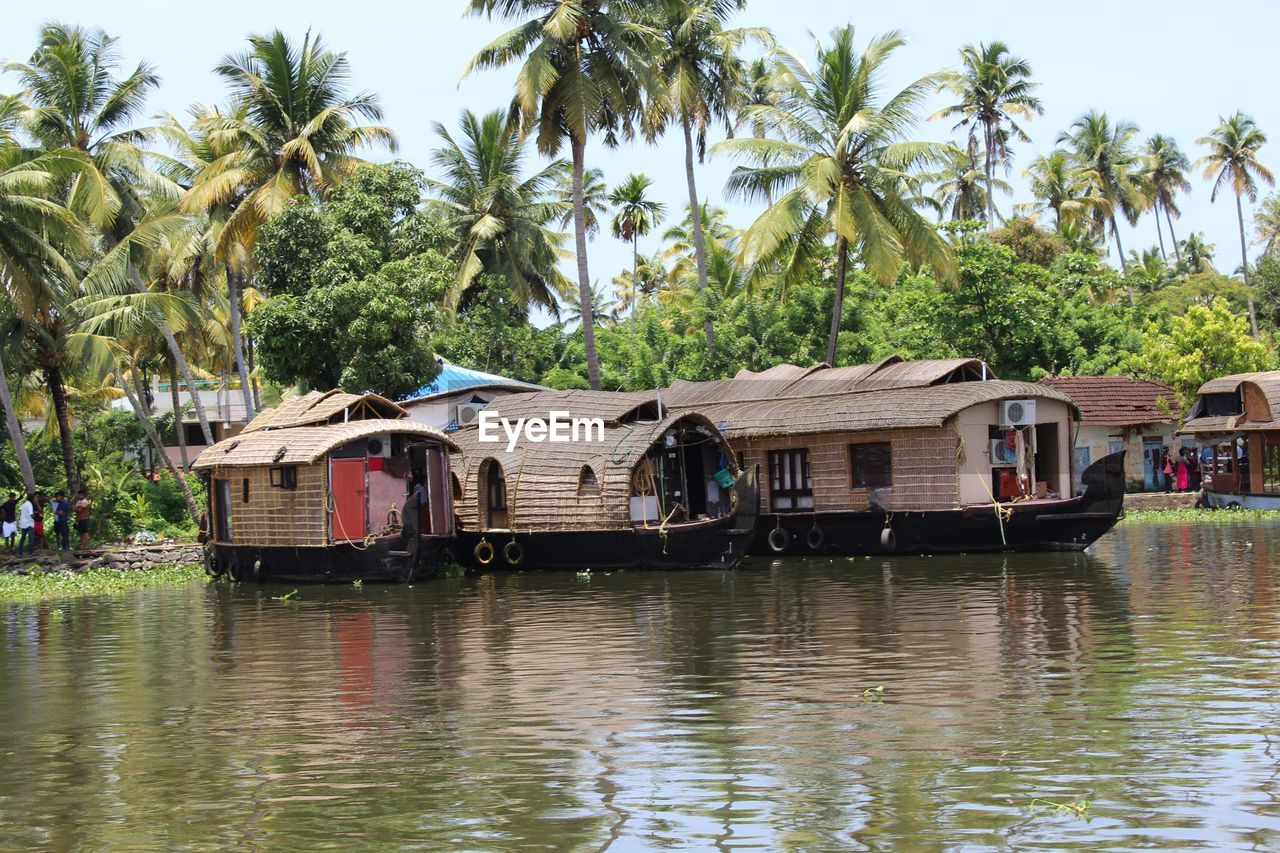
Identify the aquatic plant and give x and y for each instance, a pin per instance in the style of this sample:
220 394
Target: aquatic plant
357 584
1199 516
288 595
42 585
874 694
453 570
1079 808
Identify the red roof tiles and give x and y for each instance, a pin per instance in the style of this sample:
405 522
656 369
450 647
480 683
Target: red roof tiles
1118 400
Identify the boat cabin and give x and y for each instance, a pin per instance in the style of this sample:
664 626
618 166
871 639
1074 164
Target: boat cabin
627 466
897 435
327 470
1236 422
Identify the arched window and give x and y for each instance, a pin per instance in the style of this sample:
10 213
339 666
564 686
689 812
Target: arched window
492 494
587 482
455 486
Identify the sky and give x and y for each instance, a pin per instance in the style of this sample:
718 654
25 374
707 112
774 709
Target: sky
1171 68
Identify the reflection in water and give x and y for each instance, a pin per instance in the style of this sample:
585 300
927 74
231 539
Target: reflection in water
712 709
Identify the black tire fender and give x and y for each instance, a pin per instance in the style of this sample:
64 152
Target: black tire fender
483 552
815 538
888 540
513 553
779 540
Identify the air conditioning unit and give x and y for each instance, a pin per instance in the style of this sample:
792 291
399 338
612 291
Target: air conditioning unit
467 412
379 445
1017 413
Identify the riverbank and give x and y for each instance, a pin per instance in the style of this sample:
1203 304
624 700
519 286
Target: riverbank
1198 516
100 571
42 585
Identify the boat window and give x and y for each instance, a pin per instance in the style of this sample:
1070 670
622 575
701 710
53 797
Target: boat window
456 486
871 464
790 484
284 477
244 497
587 482
1271 467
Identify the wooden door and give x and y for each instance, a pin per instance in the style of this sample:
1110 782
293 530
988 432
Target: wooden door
350 504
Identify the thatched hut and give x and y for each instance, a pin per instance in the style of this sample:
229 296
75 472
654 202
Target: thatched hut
636 486
329 486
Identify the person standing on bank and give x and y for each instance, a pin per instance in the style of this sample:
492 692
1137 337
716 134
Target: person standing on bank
9 514
1183 472
40 502
62 521
83 506
27 521
1166 467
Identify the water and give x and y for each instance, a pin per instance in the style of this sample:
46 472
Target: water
646 710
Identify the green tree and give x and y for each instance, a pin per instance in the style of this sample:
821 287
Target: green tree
1266 224
1203 343
841 158
1112 168
584 68
959 191
637 214
994 93
295 130
348 306
1233 159
1057 184
502 218
1166 173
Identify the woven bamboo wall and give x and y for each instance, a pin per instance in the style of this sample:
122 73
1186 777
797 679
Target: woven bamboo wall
278 516
924 467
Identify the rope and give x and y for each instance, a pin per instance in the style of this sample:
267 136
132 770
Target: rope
1003 513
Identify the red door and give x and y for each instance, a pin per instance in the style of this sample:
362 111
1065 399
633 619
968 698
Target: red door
349 504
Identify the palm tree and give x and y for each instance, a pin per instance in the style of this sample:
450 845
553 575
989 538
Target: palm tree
994 93
701 76
959 192
1166 172
585 64
501 217
595 199
293 129
1112 168
77 103
841 159
1266 221
1233 159
636 216
1197 253
1058 185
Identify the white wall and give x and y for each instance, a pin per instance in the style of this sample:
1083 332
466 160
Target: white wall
975 472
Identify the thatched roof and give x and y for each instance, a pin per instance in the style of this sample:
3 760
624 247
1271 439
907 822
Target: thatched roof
610 406
894 408
542 479
1260 394
322 407
789 380
304 445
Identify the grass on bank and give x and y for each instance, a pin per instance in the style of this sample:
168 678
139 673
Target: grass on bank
1199 516
44 585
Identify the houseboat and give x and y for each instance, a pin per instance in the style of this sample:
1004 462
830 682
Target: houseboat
1236 422
633 486
909 457
324 488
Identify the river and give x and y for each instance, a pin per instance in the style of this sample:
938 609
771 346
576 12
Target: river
1137 684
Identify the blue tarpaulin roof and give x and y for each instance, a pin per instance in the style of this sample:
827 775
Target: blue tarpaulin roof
452 377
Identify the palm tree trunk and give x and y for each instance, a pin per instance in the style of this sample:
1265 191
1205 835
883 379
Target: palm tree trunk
991 183
237 343
1124 265
586 309
62 410
699 239
1173 238
837 311
139 410
180 359
15 433
635 286
1160 232
253 379
178 426
1244 267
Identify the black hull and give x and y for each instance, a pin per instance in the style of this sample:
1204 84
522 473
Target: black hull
343 563
718 543
1069 525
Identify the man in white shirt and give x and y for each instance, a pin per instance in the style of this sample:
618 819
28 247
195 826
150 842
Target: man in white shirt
27 522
